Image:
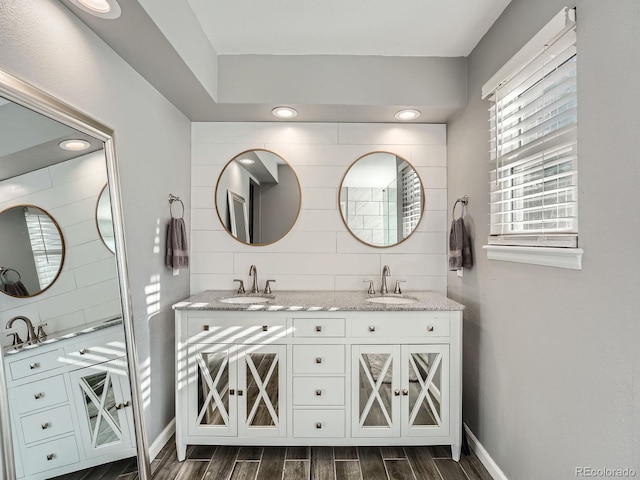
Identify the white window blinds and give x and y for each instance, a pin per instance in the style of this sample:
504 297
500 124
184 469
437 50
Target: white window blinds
46 244
533 135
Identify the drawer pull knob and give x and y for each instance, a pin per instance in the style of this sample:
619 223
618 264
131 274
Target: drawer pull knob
206 328
405 392
318 360
84 351
318 328
318 392
51 456
45 425
318 425
396 393
34 365
38 395
265 328
430 328
372 328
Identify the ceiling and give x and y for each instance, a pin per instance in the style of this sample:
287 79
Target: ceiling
334 61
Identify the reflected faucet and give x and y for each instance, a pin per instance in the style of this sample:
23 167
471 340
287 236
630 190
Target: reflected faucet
386 271
254 273
31 333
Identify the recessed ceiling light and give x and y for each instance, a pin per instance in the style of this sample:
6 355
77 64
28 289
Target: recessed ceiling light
247 161
74 145
284 112
408 114
109 9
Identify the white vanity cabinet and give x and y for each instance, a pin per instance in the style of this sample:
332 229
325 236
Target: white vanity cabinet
295 377
70 404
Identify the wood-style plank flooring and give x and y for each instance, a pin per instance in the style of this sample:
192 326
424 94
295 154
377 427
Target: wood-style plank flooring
299 463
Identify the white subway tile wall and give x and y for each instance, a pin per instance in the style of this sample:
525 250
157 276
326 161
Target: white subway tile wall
318 253
87 289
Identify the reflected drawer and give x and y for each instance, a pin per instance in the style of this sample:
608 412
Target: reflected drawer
47 424
234 330
318 423
41 394
94 349
318 391
318 327
318 359
35 364
383 327
50 455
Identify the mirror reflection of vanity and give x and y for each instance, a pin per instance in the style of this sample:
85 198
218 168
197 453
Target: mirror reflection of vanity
381 199
66 399
258 197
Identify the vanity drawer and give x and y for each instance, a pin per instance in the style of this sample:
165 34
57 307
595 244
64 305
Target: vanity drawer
94 349
318 359
47 424
318 391
234 330
379 327
318 423
318 327
35 364
41 394
50 455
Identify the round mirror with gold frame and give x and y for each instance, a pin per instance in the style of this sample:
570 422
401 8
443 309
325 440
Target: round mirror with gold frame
32 251
104 222
381 199
258 197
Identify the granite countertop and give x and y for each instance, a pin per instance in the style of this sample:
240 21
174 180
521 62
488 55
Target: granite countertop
64 335
312 301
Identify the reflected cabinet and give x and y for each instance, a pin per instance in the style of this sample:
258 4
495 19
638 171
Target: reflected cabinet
318 378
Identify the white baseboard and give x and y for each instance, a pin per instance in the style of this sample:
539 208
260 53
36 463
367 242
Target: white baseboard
488 462
163 438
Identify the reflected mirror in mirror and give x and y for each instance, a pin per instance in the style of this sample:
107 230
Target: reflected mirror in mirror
258 197
104 220
31 251
381 199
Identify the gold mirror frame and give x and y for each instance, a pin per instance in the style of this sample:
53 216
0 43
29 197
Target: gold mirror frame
342 215
218 208
24 94
28 205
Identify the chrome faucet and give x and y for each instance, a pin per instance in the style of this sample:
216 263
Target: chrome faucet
31 333
386 271
254 273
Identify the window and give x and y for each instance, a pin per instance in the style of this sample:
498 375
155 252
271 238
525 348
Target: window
533 144
46 244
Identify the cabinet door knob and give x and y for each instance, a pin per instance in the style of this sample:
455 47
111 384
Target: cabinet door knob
265 328
430 328
34 365
318 425
372 328
318 392
51 456
38 395
84 351
405 392
120 406
318 328
206 328
45 425
232 392
318 360
396 393
240 392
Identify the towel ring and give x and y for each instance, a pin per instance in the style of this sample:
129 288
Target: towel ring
172 199
464 200
5 280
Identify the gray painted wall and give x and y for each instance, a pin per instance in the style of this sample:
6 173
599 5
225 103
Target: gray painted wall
44 44
551 357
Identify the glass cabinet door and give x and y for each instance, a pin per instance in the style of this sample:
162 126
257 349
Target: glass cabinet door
212 401
262 389
376 377
425 389
104 407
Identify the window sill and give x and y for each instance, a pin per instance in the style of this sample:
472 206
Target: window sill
547 256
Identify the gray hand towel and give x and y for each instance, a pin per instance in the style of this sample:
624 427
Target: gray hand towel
177 249
459 246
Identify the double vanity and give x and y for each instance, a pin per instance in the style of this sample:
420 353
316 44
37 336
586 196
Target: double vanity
318 368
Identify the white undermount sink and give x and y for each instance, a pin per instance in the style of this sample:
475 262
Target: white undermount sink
392 300
249 299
